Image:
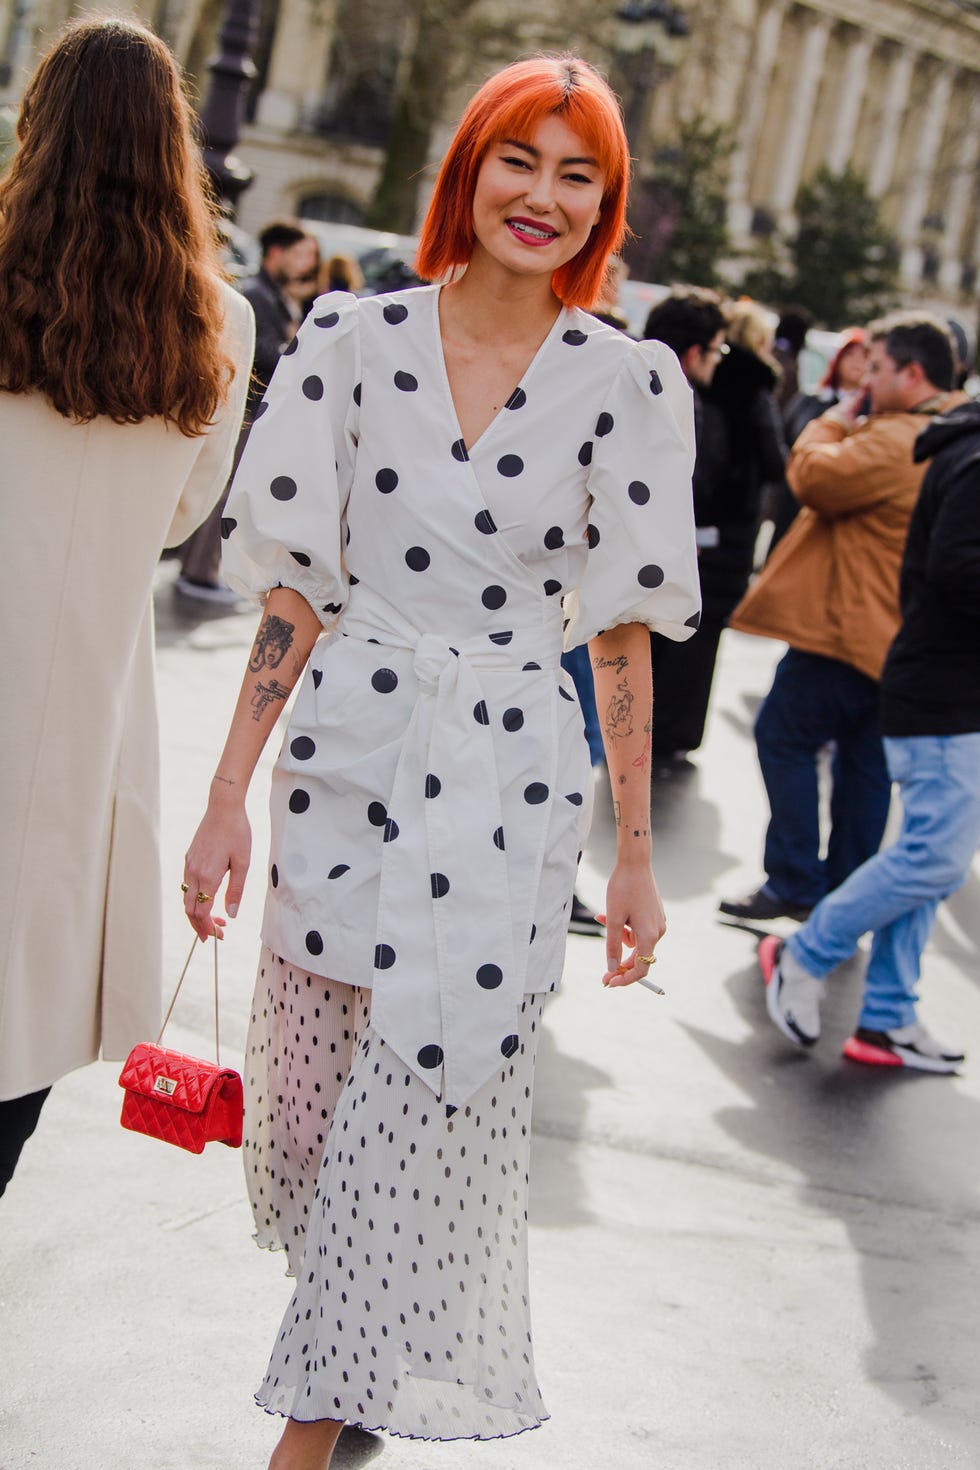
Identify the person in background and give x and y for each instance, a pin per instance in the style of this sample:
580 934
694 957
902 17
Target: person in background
844 376
123 367
342 273
831 592
279 294
739 448
791 329
930 718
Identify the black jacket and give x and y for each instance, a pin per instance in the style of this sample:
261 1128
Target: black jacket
931 680
739 448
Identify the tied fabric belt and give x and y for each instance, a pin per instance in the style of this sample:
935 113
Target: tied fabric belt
448 984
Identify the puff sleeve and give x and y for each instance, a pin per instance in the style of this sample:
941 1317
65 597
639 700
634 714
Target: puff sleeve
642 561
282 523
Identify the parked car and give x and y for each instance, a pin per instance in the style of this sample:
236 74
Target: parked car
386 260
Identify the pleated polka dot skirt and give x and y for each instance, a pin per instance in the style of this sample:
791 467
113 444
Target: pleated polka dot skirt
406 1229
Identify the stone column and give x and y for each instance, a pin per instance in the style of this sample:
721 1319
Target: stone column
755 93
850 95
800 118
896 97
966 172
915 203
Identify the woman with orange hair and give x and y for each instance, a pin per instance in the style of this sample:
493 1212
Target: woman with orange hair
445 479
124 361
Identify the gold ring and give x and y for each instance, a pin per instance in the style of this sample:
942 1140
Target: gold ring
646 959
183 888
205 897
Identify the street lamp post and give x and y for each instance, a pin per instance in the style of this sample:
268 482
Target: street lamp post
648 34
224 106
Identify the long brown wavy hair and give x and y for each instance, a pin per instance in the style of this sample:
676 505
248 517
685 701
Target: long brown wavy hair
110 301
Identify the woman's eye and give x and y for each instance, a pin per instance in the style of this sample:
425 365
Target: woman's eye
579 178
517 162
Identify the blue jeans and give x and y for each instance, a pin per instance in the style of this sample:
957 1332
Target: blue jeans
812 701
577 664
896 893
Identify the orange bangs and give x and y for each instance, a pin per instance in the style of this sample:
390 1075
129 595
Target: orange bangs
511 105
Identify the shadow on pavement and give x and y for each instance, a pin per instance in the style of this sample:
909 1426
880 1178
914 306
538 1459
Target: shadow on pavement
865 1145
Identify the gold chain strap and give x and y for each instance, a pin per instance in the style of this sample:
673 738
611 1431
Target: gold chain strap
166 1019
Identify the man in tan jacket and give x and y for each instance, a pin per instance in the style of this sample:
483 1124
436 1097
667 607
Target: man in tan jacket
830 591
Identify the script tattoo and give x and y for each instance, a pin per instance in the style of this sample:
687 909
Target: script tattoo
620 664
266 694
619 715
272 642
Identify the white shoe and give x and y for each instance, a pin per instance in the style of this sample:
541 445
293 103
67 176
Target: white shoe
902 1046
793 999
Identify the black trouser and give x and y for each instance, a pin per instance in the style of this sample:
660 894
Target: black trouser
18 1119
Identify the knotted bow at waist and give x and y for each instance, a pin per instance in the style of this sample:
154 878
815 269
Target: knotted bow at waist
449 978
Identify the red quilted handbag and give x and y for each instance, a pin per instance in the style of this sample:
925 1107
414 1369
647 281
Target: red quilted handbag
181 1099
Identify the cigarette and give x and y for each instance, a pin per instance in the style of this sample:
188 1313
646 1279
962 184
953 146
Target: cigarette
649 985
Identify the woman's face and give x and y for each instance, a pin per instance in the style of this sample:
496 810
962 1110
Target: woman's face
537 199
852 367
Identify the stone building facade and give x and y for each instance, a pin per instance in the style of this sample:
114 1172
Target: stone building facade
889 87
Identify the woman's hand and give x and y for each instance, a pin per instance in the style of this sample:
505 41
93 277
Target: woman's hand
222 844
634 918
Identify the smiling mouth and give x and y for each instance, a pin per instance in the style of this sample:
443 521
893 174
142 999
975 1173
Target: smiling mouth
534 234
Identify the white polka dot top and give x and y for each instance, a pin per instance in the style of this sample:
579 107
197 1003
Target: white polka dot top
433 794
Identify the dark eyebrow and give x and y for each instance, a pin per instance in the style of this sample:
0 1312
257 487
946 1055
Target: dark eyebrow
535 153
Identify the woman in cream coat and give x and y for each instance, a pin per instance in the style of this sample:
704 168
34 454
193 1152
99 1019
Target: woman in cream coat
124 362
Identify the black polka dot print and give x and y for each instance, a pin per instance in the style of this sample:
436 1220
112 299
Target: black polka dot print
574 338
301 558
313 388
513 719
395 313
406 382
585 453
493 598
299 801
329 319
459 451
554 538
536 793
592 536
283 488
417 558
302 748
656 385
604 425
484 523
384 681
386 481
432 786
510 465
638 492
228 524
694 621
403 1220
516 400
650 576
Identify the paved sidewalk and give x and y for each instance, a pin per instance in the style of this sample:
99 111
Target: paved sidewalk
743 1258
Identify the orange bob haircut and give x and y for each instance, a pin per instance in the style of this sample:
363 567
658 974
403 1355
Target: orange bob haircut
511 105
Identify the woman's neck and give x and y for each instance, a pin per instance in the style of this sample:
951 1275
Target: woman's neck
487 304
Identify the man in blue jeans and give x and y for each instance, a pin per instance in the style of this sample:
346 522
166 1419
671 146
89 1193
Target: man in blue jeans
930 717
830 591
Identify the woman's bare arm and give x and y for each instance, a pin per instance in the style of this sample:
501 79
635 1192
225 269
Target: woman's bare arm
222 844
624 700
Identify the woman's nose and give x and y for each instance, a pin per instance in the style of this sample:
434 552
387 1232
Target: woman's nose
540 193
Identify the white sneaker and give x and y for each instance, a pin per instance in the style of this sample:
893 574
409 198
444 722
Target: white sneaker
902 1046
792 999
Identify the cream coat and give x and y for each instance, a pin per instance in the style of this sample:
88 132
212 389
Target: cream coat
85 511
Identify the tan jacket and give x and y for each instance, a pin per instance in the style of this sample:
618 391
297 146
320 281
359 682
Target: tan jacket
831 586
85 510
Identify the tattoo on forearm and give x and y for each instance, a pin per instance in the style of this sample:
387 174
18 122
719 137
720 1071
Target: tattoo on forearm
621 663
617 813
272 642
643 759
225 780
619 715
266 694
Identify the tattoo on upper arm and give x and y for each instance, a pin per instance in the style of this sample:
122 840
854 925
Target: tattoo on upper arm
272 642
266 694
619 714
